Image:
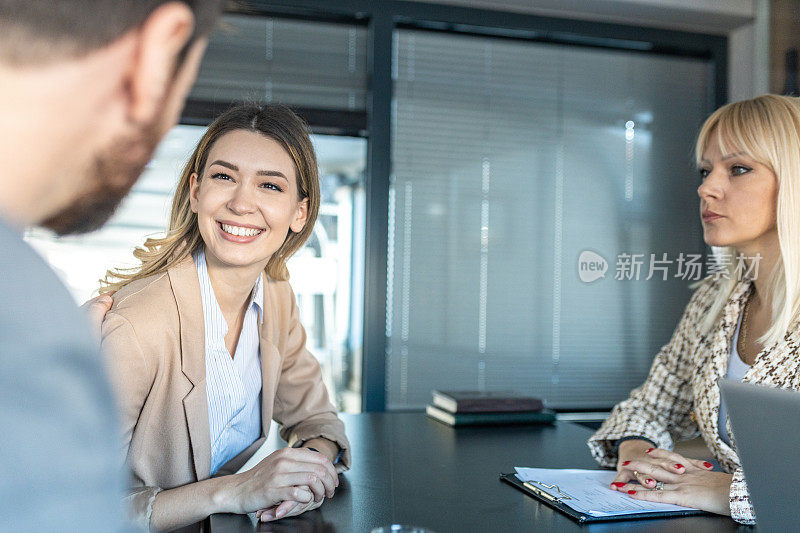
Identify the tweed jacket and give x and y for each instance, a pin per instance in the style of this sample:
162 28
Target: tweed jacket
153 338
680 399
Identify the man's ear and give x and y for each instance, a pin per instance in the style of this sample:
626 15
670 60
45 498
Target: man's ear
301 217
152 79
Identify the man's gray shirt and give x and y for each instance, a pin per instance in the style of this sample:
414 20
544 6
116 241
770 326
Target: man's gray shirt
61 466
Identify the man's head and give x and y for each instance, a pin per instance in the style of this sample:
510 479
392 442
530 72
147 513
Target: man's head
41 31
87 90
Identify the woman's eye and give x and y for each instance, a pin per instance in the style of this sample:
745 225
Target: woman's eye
272 186
221 176
738 170
704 172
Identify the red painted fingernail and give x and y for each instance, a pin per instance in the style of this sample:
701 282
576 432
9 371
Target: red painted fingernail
618 484
631 492
678 465
649 450
626 463
708 465
648 480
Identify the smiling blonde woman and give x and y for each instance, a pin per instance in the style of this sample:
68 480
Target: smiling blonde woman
204 343
742 325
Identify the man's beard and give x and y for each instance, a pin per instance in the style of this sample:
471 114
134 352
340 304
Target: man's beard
114 171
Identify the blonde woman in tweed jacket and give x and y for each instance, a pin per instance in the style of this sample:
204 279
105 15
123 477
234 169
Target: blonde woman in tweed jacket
743 325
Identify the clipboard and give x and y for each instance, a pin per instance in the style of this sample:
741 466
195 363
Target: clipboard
581 518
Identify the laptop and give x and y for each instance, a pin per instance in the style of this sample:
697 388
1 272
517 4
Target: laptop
766 426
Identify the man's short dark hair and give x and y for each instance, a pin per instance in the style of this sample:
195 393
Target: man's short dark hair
40 31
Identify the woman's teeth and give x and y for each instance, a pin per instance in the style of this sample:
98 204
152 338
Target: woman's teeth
240 231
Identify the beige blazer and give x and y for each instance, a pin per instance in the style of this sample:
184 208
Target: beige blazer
153 337
680 399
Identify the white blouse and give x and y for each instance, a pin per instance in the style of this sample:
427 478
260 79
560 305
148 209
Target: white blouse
736 371
233 384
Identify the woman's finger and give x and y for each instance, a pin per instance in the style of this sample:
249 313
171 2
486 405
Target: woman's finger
662 471
286 508
304 455
323 461
293 464
646 481
668 495
307 507
316 480
702 465
643 479
674 459
621 480
307 480
661 453
295 494
324 476
266 515
316 485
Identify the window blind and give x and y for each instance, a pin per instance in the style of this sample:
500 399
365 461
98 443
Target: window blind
510 159
318 65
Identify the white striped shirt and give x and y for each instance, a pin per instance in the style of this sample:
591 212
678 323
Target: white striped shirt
233 385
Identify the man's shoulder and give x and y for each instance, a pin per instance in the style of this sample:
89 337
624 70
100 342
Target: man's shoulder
35 302
56 406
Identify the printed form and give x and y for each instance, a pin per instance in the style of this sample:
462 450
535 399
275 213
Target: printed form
587 491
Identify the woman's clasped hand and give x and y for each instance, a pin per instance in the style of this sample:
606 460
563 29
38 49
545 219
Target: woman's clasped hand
288 482
657 475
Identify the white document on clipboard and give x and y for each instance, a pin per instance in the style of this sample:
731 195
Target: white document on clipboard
588 492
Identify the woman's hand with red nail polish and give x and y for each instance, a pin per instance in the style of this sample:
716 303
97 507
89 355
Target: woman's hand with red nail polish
697 487
640 463
687 482
637 464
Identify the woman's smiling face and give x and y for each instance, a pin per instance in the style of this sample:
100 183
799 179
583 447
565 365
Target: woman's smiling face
247 199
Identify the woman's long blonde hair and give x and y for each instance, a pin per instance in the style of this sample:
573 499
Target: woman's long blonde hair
183 235
767 129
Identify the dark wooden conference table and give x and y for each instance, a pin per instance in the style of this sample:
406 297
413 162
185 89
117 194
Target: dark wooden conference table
409 469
